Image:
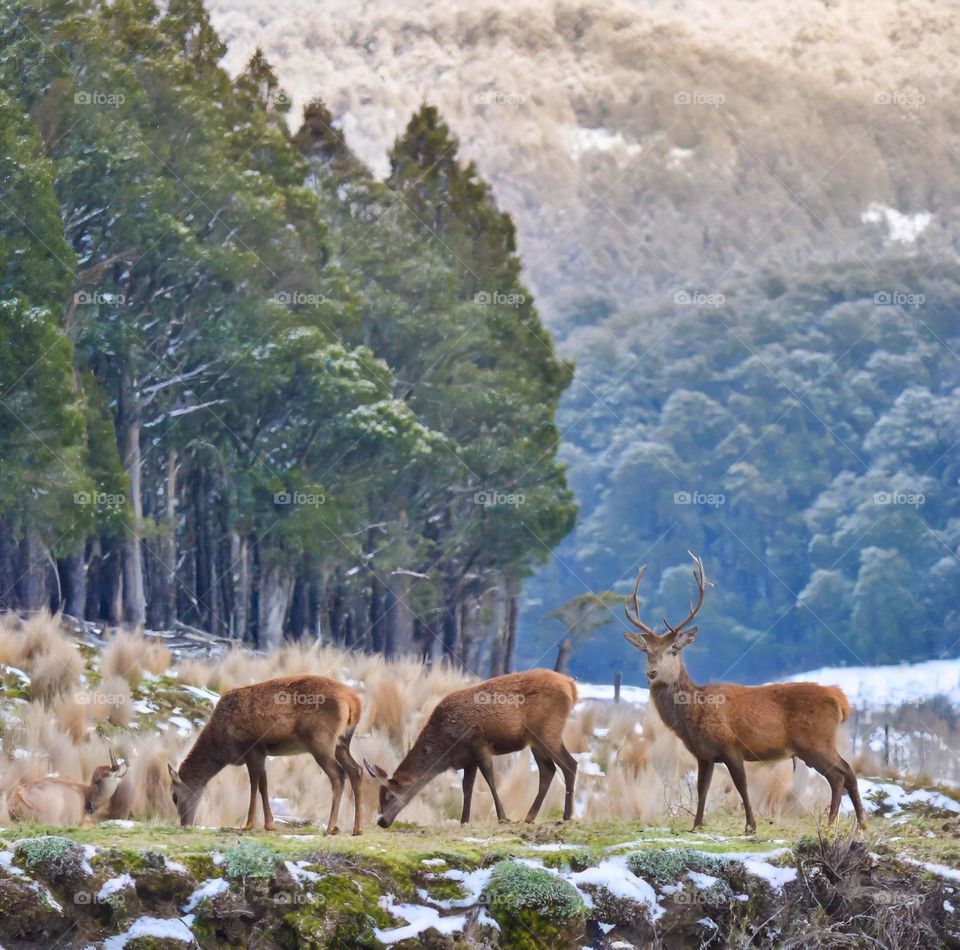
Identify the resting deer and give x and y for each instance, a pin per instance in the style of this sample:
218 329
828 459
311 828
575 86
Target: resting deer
58 801
501 715
285 716
736 724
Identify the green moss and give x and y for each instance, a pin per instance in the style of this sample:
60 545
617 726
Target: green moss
50 856
342 915
662 866
250 859
533 907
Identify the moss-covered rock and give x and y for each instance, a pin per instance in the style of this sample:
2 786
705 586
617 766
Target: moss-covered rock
250 859
52 858
533 907
343 914
663 867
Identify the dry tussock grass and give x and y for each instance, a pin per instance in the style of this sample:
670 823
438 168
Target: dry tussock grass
632 767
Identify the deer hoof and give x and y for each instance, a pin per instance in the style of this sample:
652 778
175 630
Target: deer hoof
750 830
270 827
332 831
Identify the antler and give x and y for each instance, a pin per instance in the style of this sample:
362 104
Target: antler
114 764
635 619
700 578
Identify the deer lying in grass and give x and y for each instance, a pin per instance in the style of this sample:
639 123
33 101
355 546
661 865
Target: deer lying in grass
58 801
289 715
736 724
467 728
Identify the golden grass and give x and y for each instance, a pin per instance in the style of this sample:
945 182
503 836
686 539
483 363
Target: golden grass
631 766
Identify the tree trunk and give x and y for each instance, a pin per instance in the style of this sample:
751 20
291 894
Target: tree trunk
276 588
8 566
377 614
510 640
32 569
73 583
240 559
450 625
134 601
168 546
563 655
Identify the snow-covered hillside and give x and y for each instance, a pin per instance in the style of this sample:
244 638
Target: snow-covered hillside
875 687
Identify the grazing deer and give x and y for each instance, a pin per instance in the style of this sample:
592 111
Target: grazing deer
467 728
289 715
732 724
58 801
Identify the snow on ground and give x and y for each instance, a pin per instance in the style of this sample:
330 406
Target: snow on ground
419 918
176 929
951 874
114 886
614 875
873 687
207 890
628 694
896 797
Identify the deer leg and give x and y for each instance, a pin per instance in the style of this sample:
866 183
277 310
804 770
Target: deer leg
568 765
485 764
469 776
853 790
704 776
268 824
336 773
253 770
739 775
548 768
354 773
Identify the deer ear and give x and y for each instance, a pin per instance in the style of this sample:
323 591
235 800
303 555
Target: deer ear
376 773
636 639
174 777
684 639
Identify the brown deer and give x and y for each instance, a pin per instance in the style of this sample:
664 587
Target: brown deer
289 715
733 724
469 727
58 801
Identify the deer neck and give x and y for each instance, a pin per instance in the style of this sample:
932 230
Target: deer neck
202 762
421 764
676 701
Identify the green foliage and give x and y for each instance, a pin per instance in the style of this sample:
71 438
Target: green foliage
661 867
801 444
250 859
52 857
517 887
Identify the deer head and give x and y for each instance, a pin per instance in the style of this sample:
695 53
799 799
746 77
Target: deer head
392 798
185 798
105 781
663 651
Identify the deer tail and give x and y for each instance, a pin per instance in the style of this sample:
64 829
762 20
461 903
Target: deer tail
843 704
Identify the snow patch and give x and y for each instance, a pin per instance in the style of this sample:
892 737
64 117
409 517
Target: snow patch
418 918
174 928
207 890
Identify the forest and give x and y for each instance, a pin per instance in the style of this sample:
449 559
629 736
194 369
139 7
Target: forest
245 387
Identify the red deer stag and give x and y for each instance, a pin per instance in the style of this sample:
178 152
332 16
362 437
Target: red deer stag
732 724
285 716
58 801
467 728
